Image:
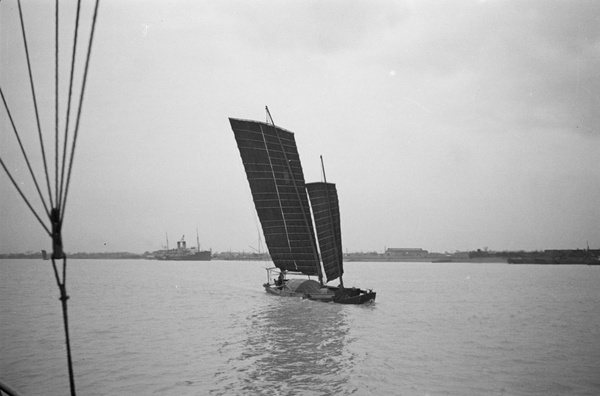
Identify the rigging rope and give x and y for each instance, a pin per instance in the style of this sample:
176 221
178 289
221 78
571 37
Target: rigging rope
85 73
24 198
68 117
307 222
56 213
37 116
56 100
26 160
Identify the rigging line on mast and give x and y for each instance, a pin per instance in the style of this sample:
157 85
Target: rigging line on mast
87 63
55 214
35 182
335 245
62 286
306 221
37 116
58 212
68 115
56 80
287 236
24 198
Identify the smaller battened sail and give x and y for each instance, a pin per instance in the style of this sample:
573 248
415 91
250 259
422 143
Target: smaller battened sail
326 212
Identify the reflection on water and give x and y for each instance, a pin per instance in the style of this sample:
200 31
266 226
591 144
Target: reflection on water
292 346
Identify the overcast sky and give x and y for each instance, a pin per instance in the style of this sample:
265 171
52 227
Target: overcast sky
446 125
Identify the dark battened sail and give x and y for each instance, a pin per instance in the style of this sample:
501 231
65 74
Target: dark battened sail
274 172
326 211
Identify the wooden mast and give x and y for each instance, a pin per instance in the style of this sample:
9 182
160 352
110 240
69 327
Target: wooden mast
306 221
337 257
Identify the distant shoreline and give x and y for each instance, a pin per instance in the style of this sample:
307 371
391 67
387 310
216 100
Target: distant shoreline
546 257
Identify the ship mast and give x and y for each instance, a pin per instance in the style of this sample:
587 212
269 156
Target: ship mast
337 257
306 221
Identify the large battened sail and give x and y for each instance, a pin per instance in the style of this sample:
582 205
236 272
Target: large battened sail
274 172
326 211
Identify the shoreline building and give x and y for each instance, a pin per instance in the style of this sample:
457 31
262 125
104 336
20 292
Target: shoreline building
406 252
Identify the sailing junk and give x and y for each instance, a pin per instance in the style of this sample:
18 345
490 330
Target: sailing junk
281 198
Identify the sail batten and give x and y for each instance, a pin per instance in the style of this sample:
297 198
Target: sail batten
274 172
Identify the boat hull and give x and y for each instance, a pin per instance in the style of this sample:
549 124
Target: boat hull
361 298
200 256
352 296
276 291
322 295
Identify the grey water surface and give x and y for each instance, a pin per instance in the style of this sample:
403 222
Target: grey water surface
208 328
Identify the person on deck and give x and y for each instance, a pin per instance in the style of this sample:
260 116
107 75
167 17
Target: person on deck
280 280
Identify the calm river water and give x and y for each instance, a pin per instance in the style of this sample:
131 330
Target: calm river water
208 328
